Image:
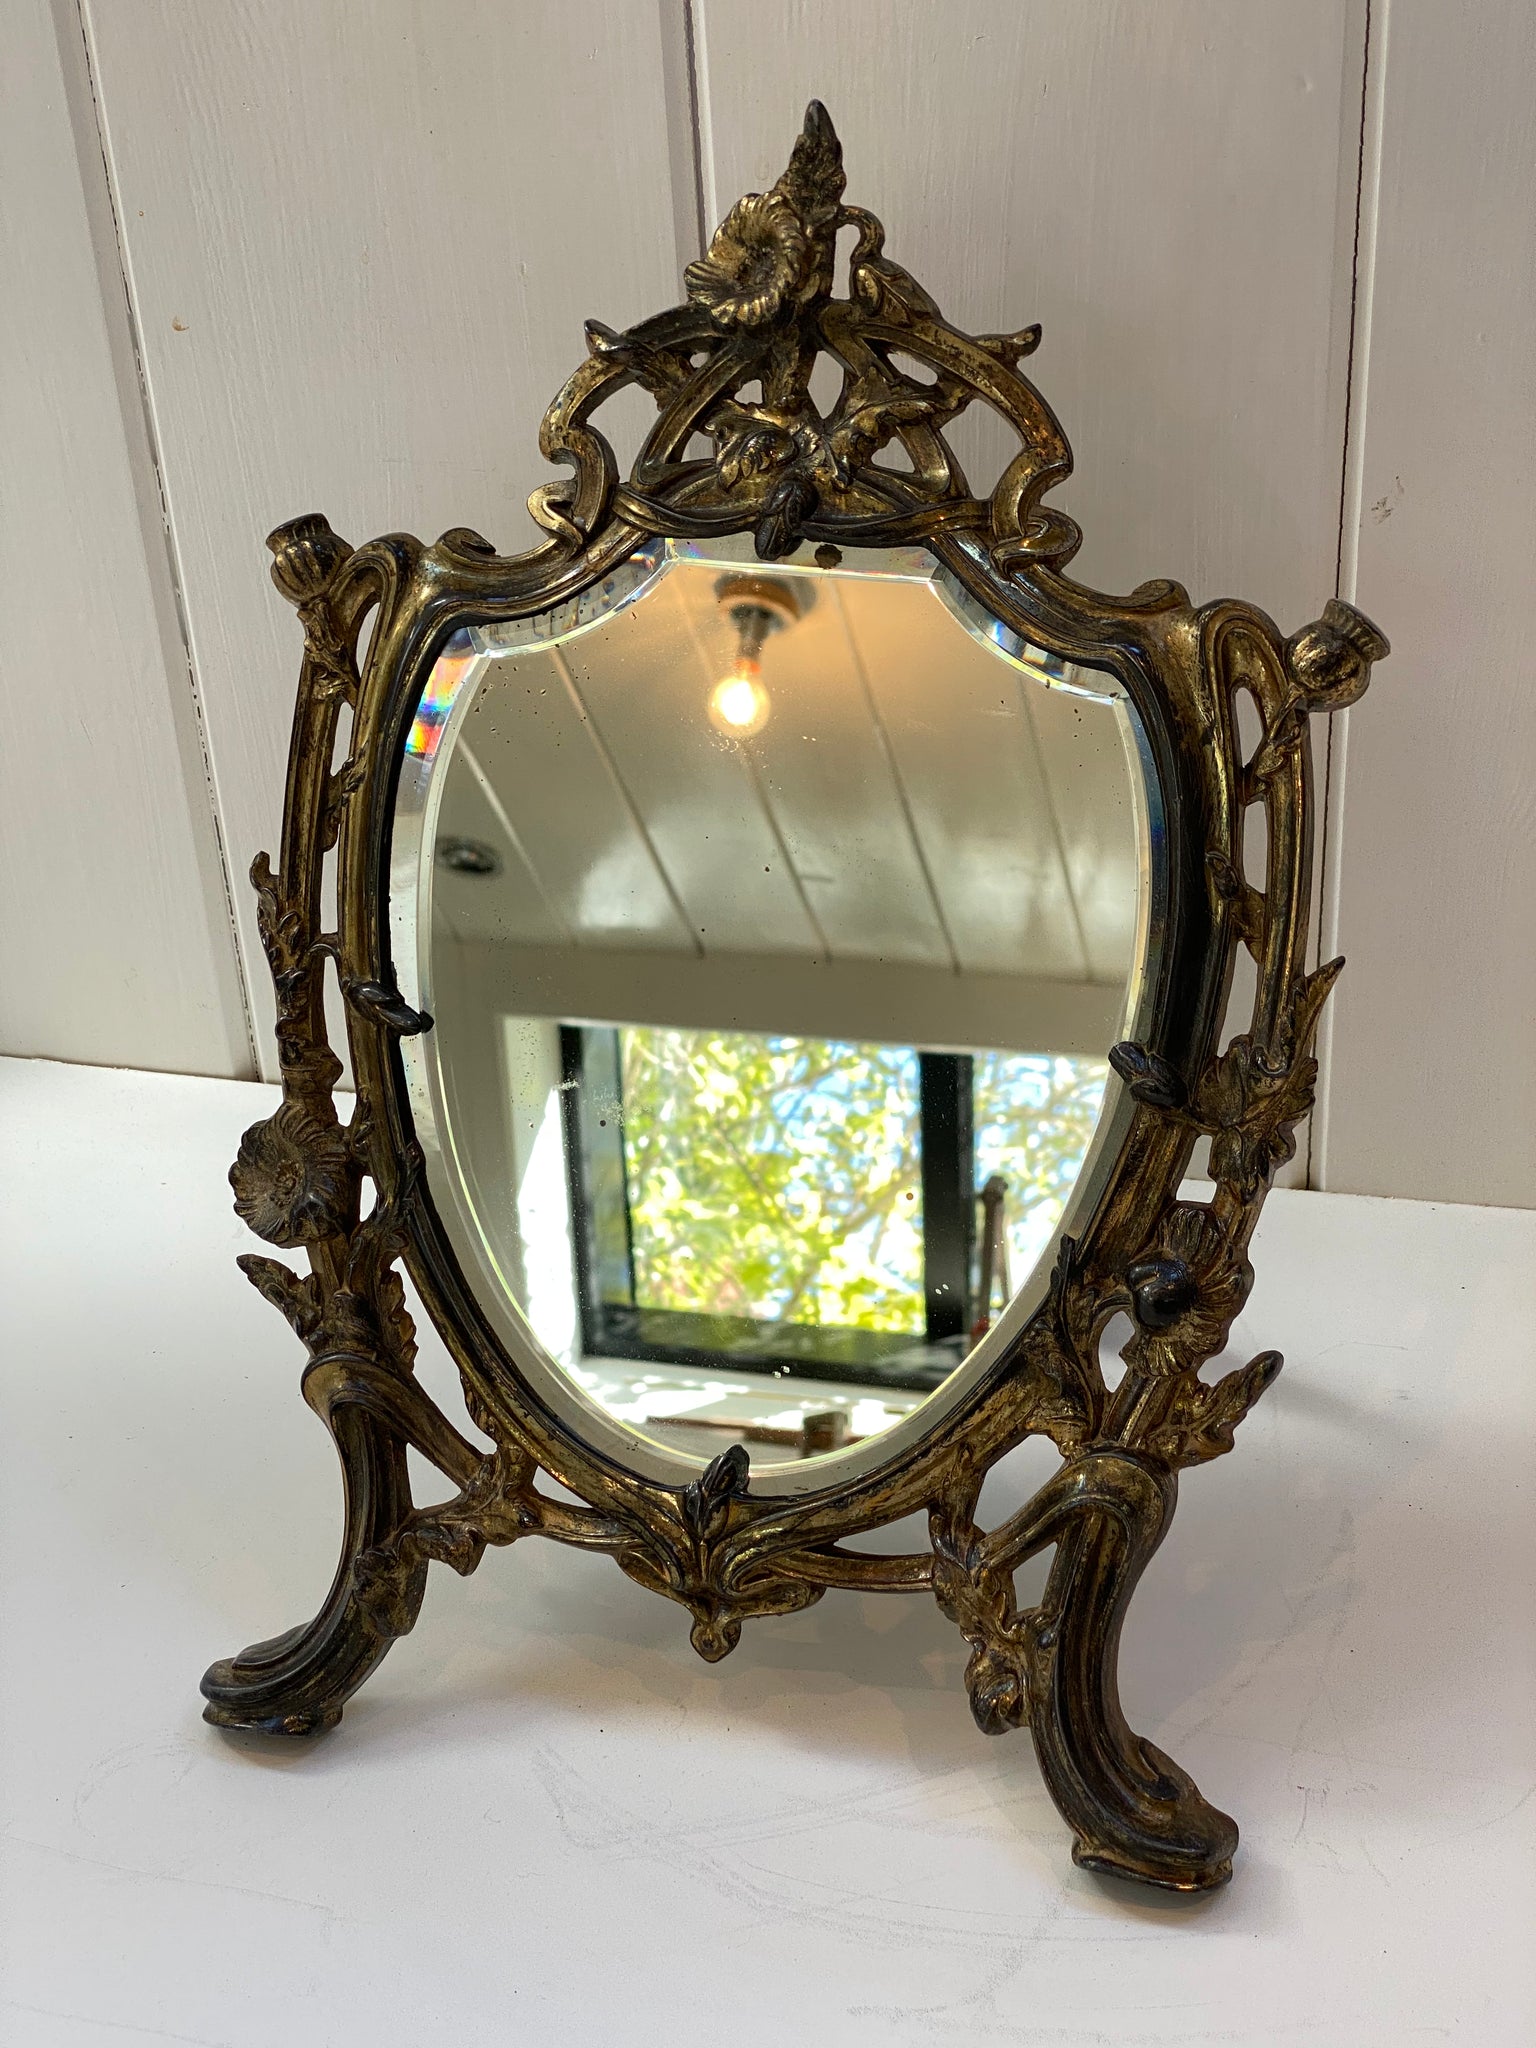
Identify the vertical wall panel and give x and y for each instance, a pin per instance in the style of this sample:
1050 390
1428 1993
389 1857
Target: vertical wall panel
1434 827
115 940
361 241
1160 186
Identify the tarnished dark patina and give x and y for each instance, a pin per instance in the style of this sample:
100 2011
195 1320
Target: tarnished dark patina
760 312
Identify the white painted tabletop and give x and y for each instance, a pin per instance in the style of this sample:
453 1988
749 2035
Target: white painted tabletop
543 1820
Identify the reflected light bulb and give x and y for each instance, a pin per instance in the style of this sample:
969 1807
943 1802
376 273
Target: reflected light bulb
738 704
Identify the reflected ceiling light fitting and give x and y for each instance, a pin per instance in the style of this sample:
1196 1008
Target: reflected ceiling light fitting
467 857
756 606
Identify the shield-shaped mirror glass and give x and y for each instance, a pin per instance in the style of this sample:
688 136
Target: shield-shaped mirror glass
776 923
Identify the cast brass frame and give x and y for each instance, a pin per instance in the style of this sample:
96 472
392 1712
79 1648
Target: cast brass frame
760 310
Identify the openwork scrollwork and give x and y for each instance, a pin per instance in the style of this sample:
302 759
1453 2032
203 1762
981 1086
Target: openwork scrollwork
733 366
760 313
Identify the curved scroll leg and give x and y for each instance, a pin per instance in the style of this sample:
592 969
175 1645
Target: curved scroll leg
1134 1813
296 1683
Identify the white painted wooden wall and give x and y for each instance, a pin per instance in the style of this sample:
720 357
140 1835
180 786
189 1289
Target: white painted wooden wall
269 258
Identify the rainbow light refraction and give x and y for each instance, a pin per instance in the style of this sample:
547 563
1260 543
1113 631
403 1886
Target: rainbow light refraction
436 702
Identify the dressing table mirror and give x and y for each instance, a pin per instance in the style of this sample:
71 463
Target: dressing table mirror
787 929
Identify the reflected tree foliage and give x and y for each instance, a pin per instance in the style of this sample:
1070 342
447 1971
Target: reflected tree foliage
781 1178
775 1177
1034 1118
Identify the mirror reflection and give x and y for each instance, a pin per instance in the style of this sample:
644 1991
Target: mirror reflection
776 926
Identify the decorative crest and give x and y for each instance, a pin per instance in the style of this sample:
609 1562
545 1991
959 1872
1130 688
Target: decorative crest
760 313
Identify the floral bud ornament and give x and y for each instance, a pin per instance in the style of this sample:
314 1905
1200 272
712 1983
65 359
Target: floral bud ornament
1330 660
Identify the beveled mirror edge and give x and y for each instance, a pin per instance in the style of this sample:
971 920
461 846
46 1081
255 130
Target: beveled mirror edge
1178 1268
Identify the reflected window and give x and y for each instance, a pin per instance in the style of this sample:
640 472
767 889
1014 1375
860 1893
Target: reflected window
1034 1121
806 1206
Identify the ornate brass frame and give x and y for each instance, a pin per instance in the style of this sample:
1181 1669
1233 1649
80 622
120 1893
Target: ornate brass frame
760 310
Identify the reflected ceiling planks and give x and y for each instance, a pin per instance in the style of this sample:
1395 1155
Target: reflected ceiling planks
963 737
575 818
526 910
829 780
914 803
645 679
1089 784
